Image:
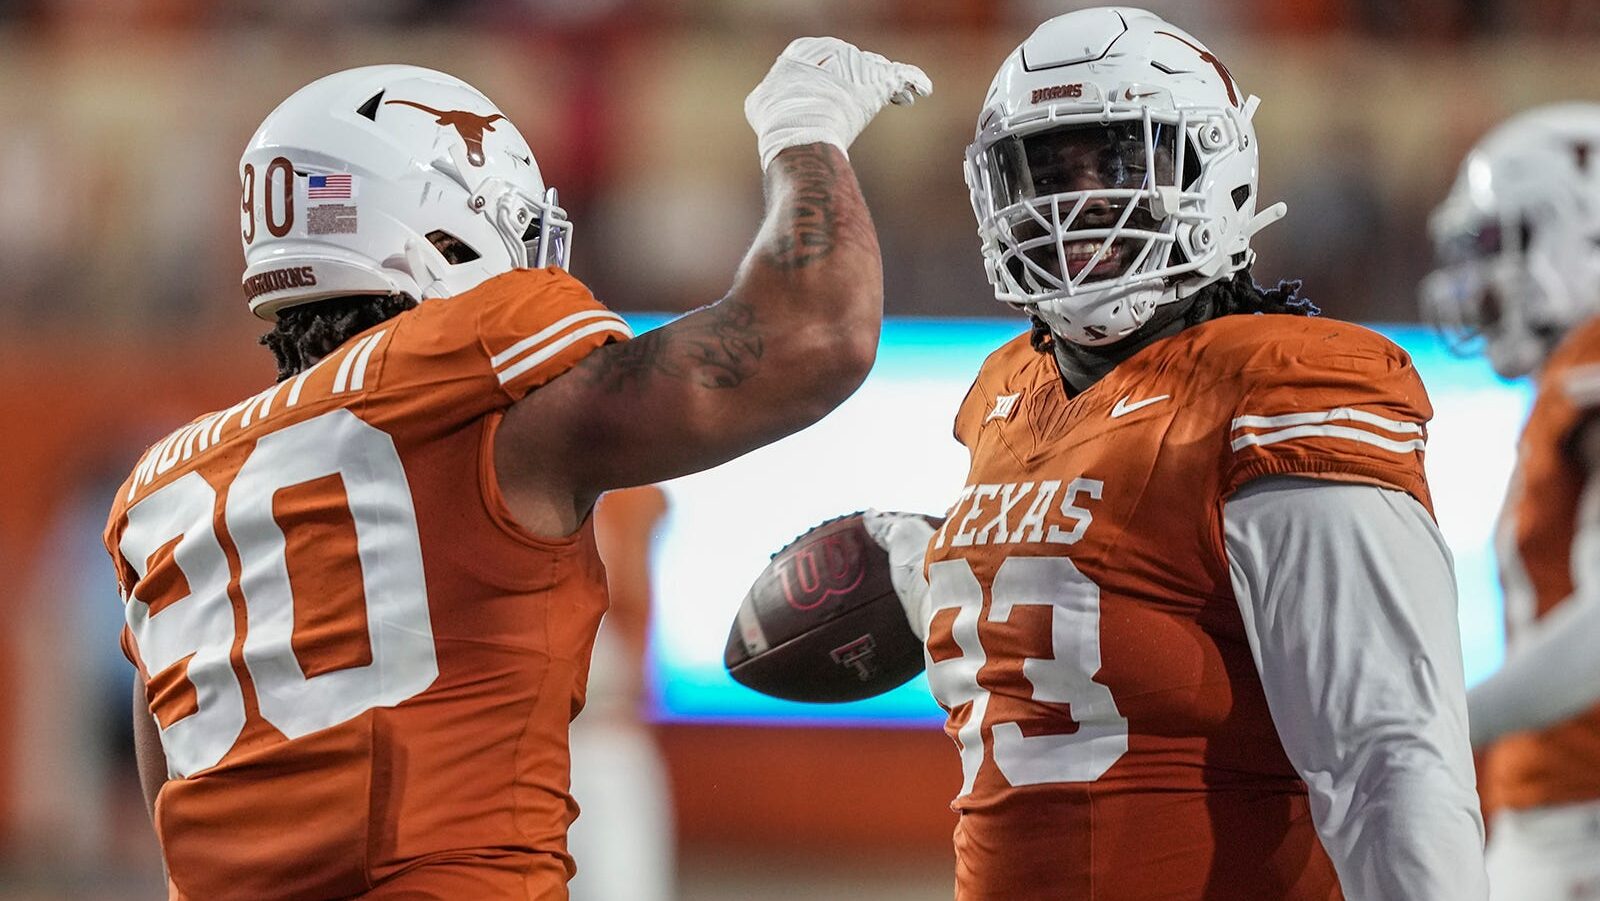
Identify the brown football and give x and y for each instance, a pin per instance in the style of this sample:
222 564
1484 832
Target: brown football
822 622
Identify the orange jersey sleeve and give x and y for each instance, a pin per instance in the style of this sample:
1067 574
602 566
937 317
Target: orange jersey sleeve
1537 531
527 344
1569 391
524 327
1325 399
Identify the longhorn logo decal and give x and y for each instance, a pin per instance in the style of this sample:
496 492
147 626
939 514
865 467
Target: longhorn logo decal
470 126
1205 56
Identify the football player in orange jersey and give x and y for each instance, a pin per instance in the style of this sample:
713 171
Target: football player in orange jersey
361 603
625 836
1519 267
1191 617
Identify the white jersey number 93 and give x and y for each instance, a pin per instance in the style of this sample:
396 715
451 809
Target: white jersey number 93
1067 677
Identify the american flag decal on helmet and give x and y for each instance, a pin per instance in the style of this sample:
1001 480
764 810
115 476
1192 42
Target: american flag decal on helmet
330 187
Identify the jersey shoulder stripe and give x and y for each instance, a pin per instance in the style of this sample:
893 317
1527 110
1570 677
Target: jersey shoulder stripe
1317 424
353 368
1315 398
540 347
1582 385
499 360
531 325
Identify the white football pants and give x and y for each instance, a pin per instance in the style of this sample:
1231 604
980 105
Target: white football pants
1545 854
623 837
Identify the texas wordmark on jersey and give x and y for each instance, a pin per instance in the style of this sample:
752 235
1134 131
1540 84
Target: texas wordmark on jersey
1085 639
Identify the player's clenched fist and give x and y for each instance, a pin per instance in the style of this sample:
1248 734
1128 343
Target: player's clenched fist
824 90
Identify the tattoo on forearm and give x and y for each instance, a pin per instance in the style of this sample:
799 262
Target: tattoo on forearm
720 352
810 229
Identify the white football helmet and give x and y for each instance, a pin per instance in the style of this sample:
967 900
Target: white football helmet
1516 239
1114 170
390 180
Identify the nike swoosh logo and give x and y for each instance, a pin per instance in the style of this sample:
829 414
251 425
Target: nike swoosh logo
1123 408
1130 96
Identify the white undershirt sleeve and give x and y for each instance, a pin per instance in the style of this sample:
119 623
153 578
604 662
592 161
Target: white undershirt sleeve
904 537
1349 604
1552 671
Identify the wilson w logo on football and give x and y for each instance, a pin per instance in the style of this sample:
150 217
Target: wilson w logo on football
822 622
821 570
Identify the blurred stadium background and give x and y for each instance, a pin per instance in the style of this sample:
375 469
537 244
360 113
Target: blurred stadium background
121 122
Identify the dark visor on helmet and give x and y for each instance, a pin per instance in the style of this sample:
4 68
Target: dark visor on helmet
1081 158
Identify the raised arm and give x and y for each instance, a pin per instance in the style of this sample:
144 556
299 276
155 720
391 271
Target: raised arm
793 338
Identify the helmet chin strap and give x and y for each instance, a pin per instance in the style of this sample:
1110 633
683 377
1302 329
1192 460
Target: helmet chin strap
1082 365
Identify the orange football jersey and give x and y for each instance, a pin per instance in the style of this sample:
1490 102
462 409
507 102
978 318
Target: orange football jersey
1085 639
1561 764
362 668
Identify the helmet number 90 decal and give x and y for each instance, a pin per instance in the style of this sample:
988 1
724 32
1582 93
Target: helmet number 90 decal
277 185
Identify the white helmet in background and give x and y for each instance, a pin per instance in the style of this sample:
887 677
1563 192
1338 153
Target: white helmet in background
390 180
1114 170
1517 240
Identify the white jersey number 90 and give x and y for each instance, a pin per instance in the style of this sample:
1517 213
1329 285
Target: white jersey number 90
200 625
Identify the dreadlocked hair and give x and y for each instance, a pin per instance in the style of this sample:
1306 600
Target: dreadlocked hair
1041 339
1241 294
306 333
1237 294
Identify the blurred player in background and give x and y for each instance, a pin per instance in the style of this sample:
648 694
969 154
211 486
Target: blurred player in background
1192 611
624 837
361 602
1518 242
